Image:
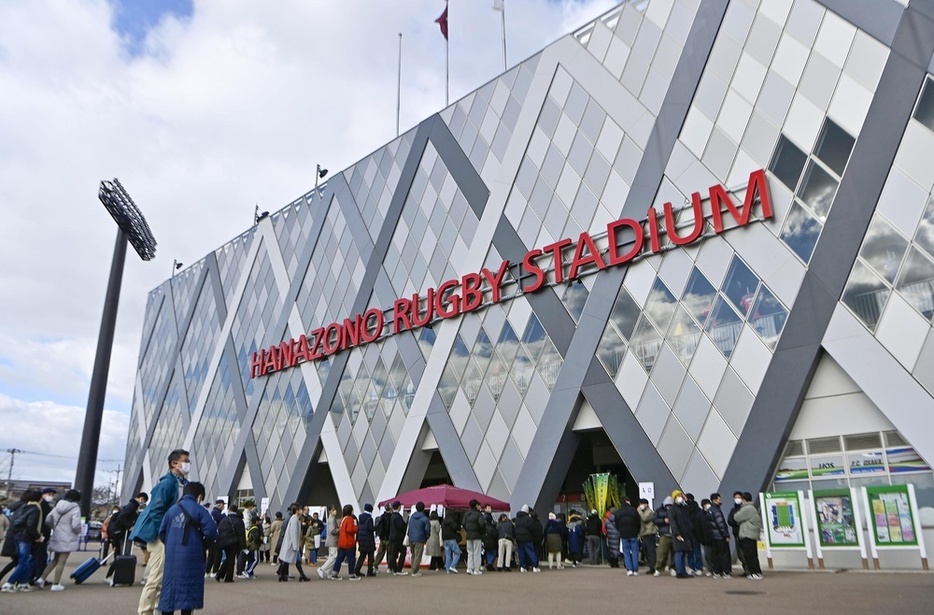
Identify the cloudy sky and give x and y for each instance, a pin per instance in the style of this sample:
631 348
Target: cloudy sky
202 109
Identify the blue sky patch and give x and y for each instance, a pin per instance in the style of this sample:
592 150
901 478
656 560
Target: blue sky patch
133 19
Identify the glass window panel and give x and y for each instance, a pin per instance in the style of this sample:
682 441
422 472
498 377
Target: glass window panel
508 344
817 190
916 282
646 343
458 359
575 296
740 285
522 370
660 305
482 351
534 338
684 335
883 249
447 387
801 232
699 296
426 340
865 294
788 162
496 376
834 146
472 379
724 326
408 394
768 317
925 235
924 112
549 364
611 351
625 314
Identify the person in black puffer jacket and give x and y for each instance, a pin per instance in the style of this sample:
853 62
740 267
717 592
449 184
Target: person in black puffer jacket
231 538
27 531
682 532
594 531
475 527
9 543
366 540
628 524
525 541
451 535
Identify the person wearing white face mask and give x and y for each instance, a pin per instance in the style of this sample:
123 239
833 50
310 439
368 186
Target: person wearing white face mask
734 526
163 496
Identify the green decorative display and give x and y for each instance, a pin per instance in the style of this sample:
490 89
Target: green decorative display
892 523
601 492
836 524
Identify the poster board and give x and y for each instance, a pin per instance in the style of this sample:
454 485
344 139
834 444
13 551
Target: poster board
892 517
837 522
785 523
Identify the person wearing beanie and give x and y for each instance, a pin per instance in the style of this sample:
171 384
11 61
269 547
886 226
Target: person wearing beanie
366 541
682 533
525 541
555 537
593 530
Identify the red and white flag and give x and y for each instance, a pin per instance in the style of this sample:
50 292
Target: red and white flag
443 22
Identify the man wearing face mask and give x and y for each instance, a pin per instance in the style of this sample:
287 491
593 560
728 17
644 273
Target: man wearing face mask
682 533
734 526
164 495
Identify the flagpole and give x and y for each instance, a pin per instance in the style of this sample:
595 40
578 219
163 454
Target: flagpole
503 16
447 64
399 87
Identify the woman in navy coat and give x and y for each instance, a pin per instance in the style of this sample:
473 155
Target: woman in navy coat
187 531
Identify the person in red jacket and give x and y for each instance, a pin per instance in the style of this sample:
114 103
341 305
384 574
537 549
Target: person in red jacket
346 545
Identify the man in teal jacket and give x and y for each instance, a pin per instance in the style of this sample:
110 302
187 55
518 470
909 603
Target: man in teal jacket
164 495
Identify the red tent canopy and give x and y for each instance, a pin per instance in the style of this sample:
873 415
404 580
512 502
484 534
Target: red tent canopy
448 496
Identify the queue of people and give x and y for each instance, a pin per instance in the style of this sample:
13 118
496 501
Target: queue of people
188 541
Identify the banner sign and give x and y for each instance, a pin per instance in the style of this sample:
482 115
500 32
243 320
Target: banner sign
836 521
891 519
785 519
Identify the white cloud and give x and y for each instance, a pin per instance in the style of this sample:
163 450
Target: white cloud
50 436
231 107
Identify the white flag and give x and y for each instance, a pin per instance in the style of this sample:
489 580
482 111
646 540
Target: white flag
497 5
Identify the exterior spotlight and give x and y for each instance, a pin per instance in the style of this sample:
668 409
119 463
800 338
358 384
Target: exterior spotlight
322 172
259 215
176 266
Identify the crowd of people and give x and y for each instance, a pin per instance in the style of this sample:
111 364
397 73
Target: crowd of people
185 540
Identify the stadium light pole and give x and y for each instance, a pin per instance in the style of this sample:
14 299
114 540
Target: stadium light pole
131 228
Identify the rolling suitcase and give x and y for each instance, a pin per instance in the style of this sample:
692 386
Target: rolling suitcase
83 572
124 569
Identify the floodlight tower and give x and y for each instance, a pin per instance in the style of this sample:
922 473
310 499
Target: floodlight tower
131 228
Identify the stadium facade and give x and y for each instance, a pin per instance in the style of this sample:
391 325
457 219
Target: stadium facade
691 243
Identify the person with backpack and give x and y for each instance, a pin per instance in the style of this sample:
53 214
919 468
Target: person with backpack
187 530
231 538
313 539
26 526
250 557
382 533
366 541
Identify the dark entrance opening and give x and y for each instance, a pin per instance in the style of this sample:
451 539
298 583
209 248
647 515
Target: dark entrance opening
318 488
436 473
595 454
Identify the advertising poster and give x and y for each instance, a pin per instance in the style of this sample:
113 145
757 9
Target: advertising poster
784 517
830 465
792 468
905 459
867 462
836 523
892 521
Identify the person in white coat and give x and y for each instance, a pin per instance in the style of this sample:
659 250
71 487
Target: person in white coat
65 521
291 550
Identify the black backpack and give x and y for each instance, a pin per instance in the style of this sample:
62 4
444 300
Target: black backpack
226 536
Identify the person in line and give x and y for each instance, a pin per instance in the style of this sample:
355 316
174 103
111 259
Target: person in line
267 536
490 539
231 538
665 540
554 540
313 539
187 530
475 526
27 531
276 535
164 495
696 557
382 533
214 559
121 525
331 539
593 529
734 529
450 535
506 532
65 522
525 541
611 533
366 541
575 538
105 532
750 528
290 549
346 545
418 532
9 544
648 533
682 533
397 529
434 549
629 524
719 560
40 552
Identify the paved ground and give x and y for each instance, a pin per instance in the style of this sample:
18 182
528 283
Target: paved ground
585 589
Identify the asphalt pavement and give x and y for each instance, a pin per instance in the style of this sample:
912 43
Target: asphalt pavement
573 590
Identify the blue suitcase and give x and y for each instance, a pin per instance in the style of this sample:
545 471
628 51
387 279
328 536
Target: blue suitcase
83 572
